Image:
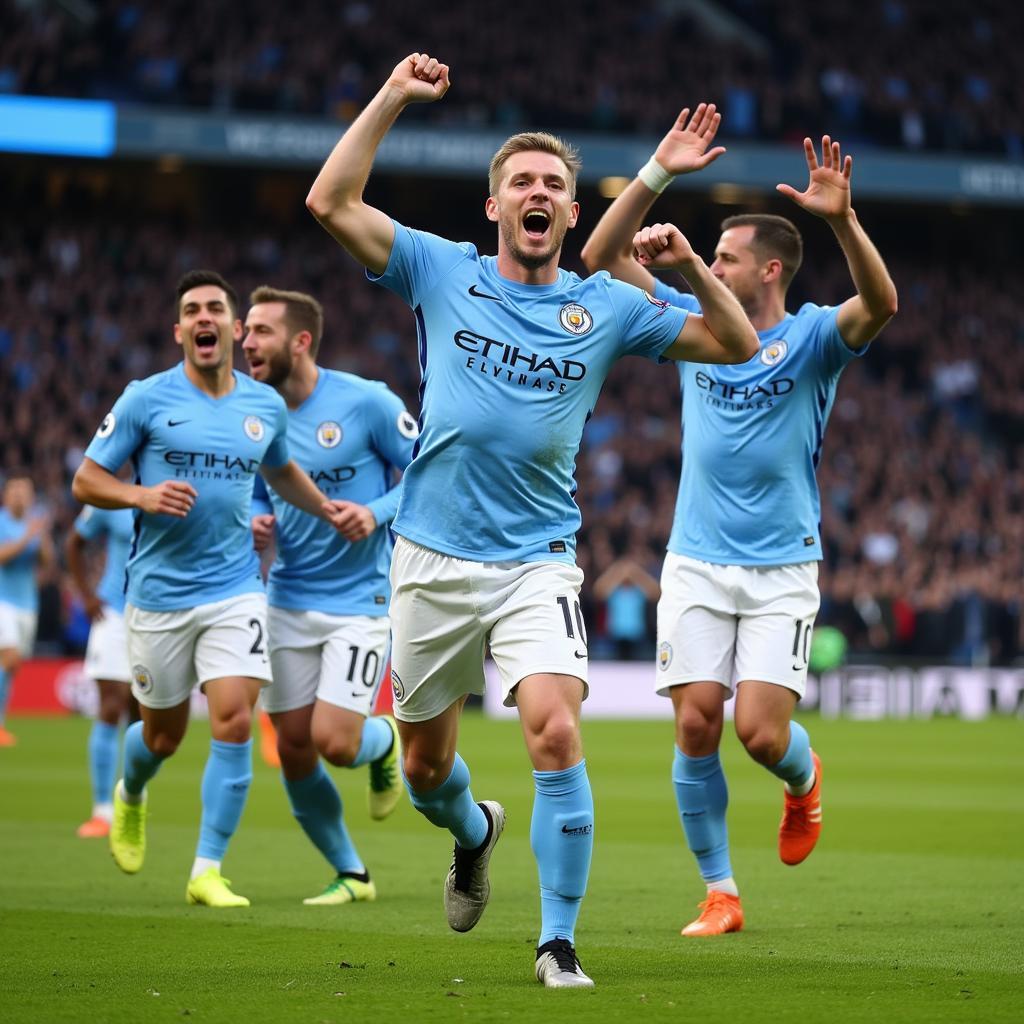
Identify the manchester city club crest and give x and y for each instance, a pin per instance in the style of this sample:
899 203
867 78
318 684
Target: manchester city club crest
773 354
397 687
253 427
142 678
328 434
664 655
576 319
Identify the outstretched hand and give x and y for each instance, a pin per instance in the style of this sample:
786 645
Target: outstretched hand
828 191
685 147
662 246
420 78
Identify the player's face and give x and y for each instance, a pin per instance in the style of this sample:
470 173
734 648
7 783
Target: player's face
533 208
19 495
207 328
737 267
267 345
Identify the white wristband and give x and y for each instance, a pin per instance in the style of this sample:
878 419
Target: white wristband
654 176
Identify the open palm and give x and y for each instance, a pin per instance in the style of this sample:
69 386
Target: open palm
828 190
685 147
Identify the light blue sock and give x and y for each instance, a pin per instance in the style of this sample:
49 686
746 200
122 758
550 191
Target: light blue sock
562 840
317 807
703 797
103 761
376 741
5 693
452 806
796 765
225 787
140 763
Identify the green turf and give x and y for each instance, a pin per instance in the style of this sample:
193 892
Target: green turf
911 908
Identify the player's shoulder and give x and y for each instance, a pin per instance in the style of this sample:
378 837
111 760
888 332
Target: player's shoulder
358 391
811 312
430 240
253 390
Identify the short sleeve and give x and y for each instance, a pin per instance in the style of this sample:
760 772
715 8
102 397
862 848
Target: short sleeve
647 325
261 505
393 429
123 430
91 523
418 261
834 355
674 297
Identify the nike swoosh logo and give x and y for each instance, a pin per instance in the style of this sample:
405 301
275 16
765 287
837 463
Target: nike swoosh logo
483 295
578 655
176 423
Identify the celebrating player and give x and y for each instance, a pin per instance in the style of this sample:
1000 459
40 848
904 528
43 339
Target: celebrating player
25 545
196 608
513 352
106 657
739 586
328 632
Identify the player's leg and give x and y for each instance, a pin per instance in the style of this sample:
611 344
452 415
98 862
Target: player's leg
696 642
356 652
104 737
10 659
772 647
539 643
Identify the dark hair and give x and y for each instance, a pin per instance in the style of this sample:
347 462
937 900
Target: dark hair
197 278
774 238
301 311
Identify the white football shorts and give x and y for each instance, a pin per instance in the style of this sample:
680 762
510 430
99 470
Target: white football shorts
729 623
106 656
340 659
446 611
170 652
17 629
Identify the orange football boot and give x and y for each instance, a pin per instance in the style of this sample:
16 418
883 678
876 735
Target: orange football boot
801 821
7 739
268 741
94 828
719 913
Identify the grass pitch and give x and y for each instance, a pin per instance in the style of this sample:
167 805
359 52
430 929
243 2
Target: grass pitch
909 910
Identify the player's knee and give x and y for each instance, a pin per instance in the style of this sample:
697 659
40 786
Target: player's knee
234 726
162 744
696 730
557 742
765 744
339 749
295 753
423 774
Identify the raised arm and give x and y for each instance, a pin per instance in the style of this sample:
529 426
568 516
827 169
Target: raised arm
828 196
722 334
682 150
336 198
94 485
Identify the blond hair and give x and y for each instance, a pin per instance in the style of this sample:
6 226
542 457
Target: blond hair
301 311
535 142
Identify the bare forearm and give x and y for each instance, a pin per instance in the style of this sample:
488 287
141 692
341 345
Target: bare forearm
867 268
613 237
297 489
722 313
93 485
76 565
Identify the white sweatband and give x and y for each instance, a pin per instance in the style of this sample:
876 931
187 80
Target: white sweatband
654 176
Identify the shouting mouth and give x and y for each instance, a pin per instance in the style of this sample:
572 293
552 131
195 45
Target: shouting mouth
536 224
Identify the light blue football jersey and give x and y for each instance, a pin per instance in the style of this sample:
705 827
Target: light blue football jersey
117 526
752 437
173 431
510 374
349 436
18 585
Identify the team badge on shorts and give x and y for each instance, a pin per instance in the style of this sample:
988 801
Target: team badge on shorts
407 426
664 655
773 354
576 319
253 427
328 434
106 428
142 678
397 686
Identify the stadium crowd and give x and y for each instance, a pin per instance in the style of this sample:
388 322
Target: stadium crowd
903 73
922 475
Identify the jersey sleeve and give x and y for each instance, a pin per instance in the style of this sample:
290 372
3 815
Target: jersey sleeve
277 451
647 325
833 354
123 430
91 523
393 431
261 505
418 261
674 297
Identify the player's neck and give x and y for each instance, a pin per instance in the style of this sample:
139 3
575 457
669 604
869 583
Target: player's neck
299 384
216 382
511 269
768 311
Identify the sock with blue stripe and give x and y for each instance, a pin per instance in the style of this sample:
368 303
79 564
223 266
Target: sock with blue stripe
796 768
562 840
317 807
452 806
703 798
226 781
103 761
376 741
